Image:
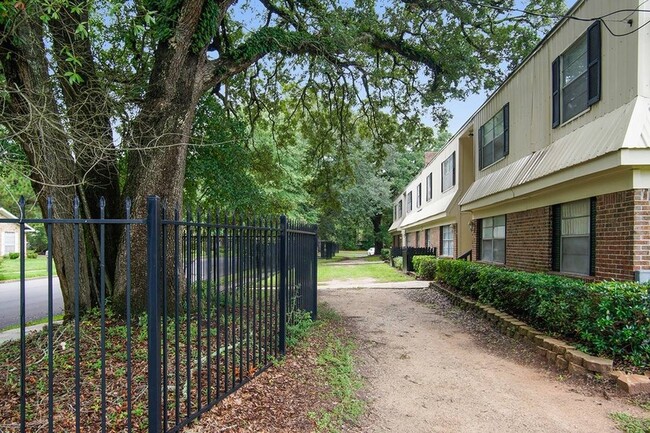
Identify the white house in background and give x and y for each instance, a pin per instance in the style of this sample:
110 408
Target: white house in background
10 234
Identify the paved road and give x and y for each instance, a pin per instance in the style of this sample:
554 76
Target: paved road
36 296
35 300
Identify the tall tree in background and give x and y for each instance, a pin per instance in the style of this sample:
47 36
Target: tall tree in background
367 197
102 96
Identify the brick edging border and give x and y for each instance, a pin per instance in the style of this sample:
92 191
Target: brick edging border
556 352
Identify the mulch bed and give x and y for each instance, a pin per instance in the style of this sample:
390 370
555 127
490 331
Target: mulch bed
279 399
283 398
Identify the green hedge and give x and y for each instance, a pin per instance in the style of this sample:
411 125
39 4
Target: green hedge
608 318
425 267
398 262
385 254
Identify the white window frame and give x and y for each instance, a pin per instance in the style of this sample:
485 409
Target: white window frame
565 114
447 241
448 172
489 234
487 130
567 229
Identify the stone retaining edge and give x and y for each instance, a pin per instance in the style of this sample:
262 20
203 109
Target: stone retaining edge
557 352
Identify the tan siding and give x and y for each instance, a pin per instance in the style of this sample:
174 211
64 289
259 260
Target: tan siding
529 90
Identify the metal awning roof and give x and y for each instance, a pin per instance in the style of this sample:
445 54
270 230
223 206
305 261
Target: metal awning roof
627 127
429 212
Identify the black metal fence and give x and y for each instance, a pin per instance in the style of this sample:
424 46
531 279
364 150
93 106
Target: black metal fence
407 254
221 293
328 249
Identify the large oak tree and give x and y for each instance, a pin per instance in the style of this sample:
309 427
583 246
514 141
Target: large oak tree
101 96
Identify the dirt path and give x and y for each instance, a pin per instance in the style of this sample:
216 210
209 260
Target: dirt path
428 372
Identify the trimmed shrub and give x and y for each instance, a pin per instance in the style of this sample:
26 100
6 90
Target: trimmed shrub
425 267
13 256
32 255
398 262
458 273
608 318
385 254
614 318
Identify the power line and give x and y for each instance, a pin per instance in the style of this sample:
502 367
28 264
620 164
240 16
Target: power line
601 18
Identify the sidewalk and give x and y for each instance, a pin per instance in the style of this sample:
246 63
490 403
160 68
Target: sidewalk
370 284
14 334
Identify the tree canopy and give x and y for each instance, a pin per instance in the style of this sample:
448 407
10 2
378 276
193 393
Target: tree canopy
102 96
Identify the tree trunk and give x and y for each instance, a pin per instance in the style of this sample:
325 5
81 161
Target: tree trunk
31 115
156 162
376 229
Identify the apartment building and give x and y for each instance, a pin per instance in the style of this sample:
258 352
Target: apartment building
559 167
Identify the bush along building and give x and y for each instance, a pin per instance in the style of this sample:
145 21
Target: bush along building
552 173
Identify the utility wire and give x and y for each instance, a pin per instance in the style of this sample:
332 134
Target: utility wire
601 18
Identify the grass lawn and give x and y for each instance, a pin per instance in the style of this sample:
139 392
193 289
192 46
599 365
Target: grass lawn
10 268
381 272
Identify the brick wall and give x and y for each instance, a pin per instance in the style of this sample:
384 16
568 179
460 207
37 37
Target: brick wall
474 230
615 246
528 240
435 239
622 236
641 235
421 239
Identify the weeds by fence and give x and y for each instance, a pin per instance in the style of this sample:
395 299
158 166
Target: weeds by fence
234 286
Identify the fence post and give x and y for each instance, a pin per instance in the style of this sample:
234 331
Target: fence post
314 276
284 263
154 226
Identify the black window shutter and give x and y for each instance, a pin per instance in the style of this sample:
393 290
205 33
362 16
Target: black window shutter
592 237
453 169
556 240
506 129
593 62
555 77
479 235
480 148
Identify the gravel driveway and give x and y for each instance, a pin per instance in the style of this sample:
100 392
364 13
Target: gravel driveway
429 368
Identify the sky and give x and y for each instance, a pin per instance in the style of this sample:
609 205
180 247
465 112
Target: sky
463 110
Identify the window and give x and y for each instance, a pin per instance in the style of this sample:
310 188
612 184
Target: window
493 239
419 196
399 209
573 237
427 238
10 242
449 172
417 239
429 186
576 76
493 138
409 201
447 240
